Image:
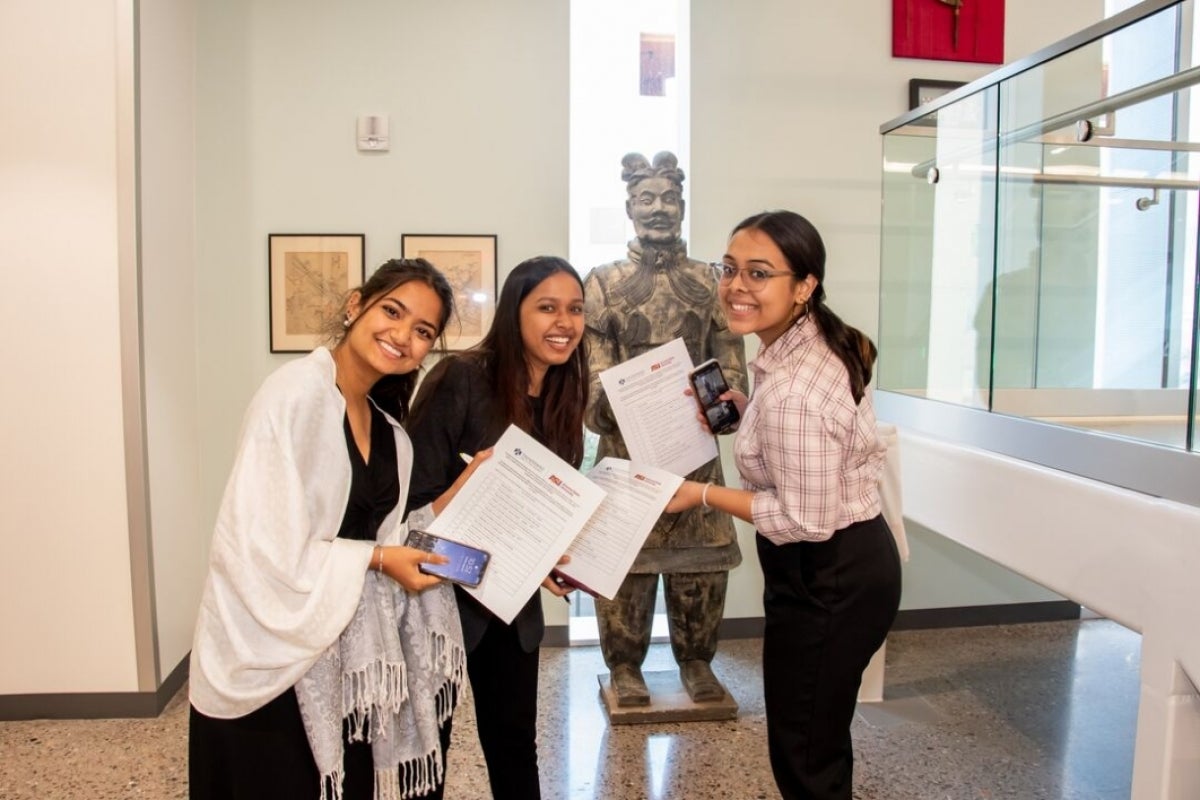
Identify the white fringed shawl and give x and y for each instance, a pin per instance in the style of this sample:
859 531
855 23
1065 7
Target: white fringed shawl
282 588
393 675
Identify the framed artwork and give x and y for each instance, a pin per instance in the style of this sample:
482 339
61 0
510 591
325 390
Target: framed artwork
469 262
949 30
310 274
923 90
658 64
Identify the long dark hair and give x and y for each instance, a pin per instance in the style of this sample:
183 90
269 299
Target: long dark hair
801 245
392 393
501 357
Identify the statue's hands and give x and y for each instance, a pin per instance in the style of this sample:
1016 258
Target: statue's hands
599 416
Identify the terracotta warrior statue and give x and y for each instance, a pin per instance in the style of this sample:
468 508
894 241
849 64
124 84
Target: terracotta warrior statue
633 305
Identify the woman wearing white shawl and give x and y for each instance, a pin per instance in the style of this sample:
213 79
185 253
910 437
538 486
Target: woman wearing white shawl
324 661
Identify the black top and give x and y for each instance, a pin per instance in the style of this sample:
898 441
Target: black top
464 415
374 486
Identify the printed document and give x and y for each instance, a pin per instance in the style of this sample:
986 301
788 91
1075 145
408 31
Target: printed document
605 549
524 506
657 420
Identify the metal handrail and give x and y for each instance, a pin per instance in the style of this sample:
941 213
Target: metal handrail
1096 108
1088 35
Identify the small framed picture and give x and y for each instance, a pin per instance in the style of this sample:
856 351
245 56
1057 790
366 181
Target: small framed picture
925 90
310 275
469 262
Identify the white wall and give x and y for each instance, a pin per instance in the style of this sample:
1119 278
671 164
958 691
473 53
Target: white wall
178 520
64 553
786 108
477 96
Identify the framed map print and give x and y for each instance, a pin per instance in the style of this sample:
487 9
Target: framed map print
469 262
310 275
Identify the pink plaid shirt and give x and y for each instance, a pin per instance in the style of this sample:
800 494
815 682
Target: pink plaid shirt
811 457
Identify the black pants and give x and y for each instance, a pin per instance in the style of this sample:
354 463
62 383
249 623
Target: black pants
265 755
828 608
504 680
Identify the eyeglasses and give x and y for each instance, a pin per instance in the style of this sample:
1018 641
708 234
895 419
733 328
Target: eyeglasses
753 278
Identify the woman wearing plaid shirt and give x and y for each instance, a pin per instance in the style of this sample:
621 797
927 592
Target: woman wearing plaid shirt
809 459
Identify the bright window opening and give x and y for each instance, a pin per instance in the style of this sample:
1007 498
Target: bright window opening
630 92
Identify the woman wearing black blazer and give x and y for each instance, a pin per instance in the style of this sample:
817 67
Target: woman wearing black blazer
528 371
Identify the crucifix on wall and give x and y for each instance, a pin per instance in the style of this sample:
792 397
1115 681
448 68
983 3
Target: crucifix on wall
949 30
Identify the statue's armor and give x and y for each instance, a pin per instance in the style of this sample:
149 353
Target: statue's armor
632 307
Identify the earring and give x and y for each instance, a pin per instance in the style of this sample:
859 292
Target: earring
800 311
346 322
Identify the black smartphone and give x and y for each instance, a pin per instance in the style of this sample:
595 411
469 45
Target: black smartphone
708 384
466 565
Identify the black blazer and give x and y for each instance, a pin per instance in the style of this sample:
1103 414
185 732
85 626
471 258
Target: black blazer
462 415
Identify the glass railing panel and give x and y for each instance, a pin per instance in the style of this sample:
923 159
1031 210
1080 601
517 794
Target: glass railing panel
937 251
907 253
1039 241
1045 280
1138 54
1096 243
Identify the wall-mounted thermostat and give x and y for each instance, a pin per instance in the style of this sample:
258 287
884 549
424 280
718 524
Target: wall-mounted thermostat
373 132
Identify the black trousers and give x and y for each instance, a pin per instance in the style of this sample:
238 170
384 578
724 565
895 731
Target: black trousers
828 608
265 755
504 680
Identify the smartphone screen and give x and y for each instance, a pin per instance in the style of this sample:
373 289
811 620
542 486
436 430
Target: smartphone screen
466 565
708 384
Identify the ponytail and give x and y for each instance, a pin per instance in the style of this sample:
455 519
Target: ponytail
853 347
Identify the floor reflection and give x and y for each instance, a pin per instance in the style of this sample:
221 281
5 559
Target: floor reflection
1097 760
1044 711
1025 711
658 760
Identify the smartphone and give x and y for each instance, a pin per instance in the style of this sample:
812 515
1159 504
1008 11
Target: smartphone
466 565
565 580
708 384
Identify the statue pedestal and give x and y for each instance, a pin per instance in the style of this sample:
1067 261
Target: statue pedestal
669 702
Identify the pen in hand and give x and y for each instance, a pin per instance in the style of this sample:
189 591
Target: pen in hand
562 583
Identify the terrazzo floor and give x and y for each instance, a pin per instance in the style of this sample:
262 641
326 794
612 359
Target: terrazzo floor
1045 711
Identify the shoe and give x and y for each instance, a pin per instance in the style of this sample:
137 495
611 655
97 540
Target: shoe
629 685
697 677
